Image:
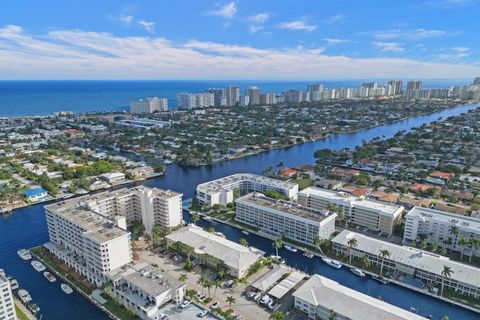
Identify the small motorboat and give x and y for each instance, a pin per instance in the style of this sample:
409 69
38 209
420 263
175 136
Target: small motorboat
50 277
24 295
358 272
332 263
290 248
33 308
207 218
66 288
380 279
221 235
14 284
308 255
24 254
245 232
37 265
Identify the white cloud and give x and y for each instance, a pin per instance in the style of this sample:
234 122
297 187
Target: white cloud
388 46
454 53
228 11
257 21
334 41
415 34
336 18
126 19
77 54
149 26
298 25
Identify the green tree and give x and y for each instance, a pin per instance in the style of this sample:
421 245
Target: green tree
333 315
231 300
183 277
243 242
366 263
463 243
195 218
277 315
446 274
383 254
352 244
277 244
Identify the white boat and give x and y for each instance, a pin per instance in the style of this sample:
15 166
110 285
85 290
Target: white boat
50 277
290 248
14 284
358 272
24 254
380 279
24 295
245 232
206 218
308 255
332 263
220 234
37 265
66 288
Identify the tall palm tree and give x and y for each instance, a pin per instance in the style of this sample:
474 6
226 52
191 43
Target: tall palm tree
352 243
216 284
333 315
195 218
453 230
463 243
474 245
221 273
201 282
277 244
366 263
277 315
318 243
231 300
446 273
383 254
208 284
244 242
183 277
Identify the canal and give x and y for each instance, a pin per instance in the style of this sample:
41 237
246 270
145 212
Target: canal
26 228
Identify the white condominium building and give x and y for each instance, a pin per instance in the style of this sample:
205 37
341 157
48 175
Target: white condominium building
374 215
224 190
89 242
319 295
149 105
143 204
189 101
441 227
145 289
284 218
7 306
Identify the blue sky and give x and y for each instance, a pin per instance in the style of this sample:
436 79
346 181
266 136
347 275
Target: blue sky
244 39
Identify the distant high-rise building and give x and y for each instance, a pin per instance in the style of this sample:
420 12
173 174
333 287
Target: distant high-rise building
267 98
7 307
253 94
218 97
394 87
476 82
294 96
244 101
189 101
370 85
314 87
232 94
414 85
148 105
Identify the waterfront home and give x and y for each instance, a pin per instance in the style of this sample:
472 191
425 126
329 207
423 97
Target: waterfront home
145 289
319 296
213 250
287 219
410 262
113 177
36 194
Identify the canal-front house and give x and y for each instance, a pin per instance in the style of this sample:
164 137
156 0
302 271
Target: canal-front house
412 263
145 289
215 251
319 296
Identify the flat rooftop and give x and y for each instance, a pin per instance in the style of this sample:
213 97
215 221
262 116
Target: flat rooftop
230 253
444 216
269 279
352 201
412 257
285 206
354 305
228 183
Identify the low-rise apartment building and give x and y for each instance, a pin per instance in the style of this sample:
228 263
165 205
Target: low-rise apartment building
412 263
281 218
319 295
7 306
226 189
374 215
441 227
145 289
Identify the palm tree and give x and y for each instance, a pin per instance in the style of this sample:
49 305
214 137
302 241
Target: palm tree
383 254
216 284
443 251
474 244
352 243
446 273
195 218
333 315
277 315
462 242
231 300
277 244
208 284
201 282
211 230
318 242
453 230
183 277
366 263
221 273
244 242
433 246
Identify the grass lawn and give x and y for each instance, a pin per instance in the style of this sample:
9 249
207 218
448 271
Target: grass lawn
20 314
303 183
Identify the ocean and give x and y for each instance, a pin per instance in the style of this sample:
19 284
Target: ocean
20 98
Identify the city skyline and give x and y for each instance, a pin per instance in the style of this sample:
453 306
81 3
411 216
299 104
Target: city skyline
239 40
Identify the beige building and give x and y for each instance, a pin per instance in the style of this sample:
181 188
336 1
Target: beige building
374 215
